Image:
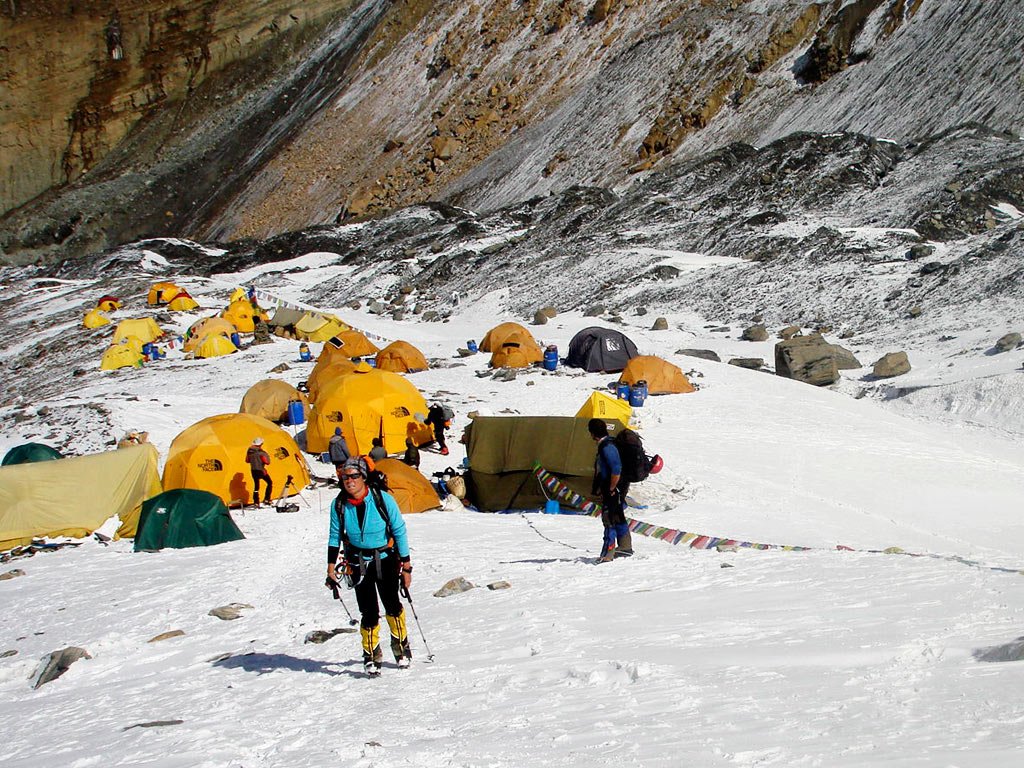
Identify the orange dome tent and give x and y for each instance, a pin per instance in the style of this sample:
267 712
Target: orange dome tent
269 398
493 339
368 403
662 377
210 456
517 350
401 357
411 489
352 344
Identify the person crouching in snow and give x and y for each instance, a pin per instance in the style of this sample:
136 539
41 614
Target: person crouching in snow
367 527
412 454
258 461
608 482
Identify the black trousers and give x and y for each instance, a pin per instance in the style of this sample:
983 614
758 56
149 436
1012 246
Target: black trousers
439 435
256 478
371 584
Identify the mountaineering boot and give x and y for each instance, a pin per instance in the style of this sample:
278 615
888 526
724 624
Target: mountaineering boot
400 640
444 451
625 547
372 656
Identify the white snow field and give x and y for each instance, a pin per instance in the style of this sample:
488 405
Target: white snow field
675 657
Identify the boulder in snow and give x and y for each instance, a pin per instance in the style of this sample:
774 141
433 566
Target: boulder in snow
704 354
57 663
454 587
1005 344
755 333
891 364
230 611
809 359
661 324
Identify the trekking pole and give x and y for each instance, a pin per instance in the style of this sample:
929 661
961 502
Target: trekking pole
405 593
337 596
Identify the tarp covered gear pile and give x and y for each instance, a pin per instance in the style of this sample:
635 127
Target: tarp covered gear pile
662 377
411 489
401 357
598 349
269 398
210 456
503 450
75 496
368 403
184 518
26 453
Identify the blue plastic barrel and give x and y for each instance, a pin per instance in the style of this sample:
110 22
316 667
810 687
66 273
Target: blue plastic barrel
471 346
622 390
371 361
236 339
551 507
304 354
147 350
637 396
550 358
296 413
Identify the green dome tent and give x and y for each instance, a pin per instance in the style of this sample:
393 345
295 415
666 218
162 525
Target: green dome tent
182 518
29 452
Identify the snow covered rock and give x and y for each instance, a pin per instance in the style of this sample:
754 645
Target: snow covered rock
229 612
454 587
57 663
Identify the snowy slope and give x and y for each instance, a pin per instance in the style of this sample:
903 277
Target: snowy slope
674 657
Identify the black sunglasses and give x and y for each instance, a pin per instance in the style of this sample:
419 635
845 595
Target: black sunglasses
351 476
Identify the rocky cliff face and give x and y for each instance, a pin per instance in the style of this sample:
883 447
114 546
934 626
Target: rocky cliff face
483 104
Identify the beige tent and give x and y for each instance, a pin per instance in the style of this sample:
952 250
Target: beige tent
75 496
662 377
313 326
269 398
411 489
401 357
502 450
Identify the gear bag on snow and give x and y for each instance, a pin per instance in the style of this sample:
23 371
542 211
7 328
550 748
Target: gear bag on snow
636 464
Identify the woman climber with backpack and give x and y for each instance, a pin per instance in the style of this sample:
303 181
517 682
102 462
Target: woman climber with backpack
368 529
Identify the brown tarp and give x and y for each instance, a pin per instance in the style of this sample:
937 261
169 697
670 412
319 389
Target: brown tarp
75 496
502 450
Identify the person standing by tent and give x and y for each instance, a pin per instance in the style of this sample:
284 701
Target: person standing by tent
412 454
378 451
258 461
337 451
367 527
609 483
437 418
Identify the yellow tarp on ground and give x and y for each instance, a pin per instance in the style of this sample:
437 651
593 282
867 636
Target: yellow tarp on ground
210 456
602 406
411 489
95 318
144 329
75 496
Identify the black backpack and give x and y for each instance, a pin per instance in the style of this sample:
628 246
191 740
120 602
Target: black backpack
636 464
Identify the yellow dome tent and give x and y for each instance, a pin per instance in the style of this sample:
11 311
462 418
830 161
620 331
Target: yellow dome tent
240 314
108 303
162 293
144 329
314 326
517 350
269 398
662 377
323 374
368 403
214 345
200 329
411 489
183 302
401 357
210 456
493 339
124 355
354 344
238 293
94 318
602 406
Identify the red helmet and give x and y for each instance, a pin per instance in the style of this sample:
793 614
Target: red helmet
656 464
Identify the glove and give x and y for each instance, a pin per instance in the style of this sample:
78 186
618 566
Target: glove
405 575
331 583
